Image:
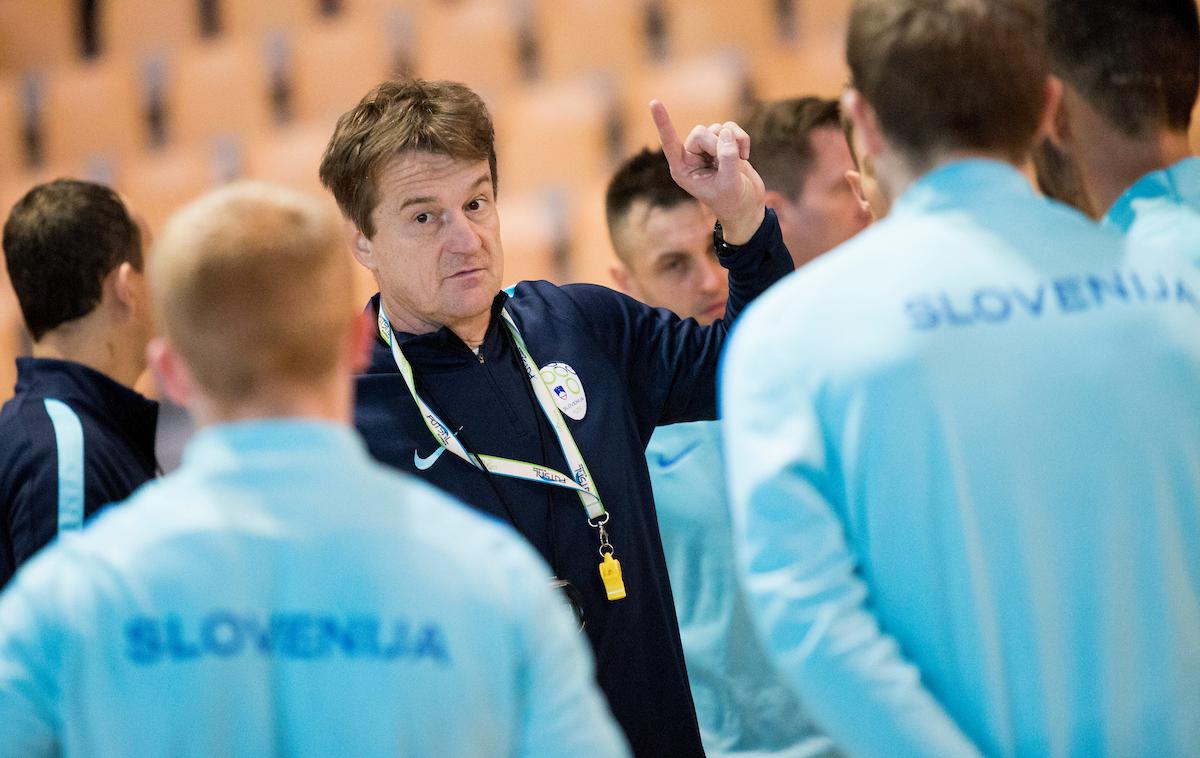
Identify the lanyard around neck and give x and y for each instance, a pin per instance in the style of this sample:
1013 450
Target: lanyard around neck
580 479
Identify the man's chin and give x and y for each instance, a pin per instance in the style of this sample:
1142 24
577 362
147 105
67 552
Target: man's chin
471 294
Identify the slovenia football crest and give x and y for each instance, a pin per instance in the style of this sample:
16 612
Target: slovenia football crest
565 387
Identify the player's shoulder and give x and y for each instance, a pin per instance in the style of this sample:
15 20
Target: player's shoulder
439 524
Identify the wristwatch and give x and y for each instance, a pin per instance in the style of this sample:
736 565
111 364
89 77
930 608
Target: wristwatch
722 247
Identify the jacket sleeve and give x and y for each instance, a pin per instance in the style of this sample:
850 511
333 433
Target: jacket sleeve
670 363
563 712
32 507
28 687
807 597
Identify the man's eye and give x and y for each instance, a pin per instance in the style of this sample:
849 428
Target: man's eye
474 205
422 218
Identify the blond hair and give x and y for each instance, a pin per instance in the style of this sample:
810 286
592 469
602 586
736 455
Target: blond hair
252 285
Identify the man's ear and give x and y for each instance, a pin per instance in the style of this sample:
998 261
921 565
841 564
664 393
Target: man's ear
868 136
123 285
360 246
775 201
128 289
622 276
173 377
362 339
854 179
1055 124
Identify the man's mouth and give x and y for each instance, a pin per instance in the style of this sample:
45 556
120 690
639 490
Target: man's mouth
716 310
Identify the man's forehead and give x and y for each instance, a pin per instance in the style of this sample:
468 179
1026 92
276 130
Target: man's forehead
650 231
829 142
421 172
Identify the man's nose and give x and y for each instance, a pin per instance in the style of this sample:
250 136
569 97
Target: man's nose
711 275
461 234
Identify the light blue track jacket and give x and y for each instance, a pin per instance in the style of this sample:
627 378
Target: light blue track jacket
281 594
1160 213
743 706
964 457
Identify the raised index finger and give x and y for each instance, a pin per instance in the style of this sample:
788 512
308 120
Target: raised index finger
667 136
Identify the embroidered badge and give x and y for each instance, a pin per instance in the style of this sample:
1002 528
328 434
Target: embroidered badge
565 387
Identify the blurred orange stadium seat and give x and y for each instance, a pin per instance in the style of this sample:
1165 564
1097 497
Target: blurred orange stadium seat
12 119
217 90
696 28
93 110
473 41
129 28
336 62
591 255
585 36
814 63
38 33
556 133
159 183
702 90
251 18
534 233
292 156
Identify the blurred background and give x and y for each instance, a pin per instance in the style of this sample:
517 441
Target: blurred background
164 99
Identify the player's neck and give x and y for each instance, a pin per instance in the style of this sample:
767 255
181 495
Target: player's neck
330 400
92 342
1111 162
471 329
896 174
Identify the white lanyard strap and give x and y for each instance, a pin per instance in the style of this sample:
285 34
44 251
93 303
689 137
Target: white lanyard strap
581 482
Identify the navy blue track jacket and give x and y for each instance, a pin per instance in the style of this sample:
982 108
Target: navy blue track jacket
640 368
72 440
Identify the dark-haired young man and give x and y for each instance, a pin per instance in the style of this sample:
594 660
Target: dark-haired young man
1131 71
536 406
75 436
662 237
964 448
802 155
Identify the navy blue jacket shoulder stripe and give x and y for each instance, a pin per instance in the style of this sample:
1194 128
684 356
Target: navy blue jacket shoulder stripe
68 442
72 440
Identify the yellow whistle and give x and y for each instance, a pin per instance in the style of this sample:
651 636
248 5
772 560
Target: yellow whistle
610 574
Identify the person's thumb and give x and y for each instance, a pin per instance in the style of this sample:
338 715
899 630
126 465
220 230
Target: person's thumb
727 150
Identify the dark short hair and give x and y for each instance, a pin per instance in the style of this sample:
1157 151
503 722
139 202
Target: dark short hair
1137 62
779 131
951 74
646 177
60 241
444 118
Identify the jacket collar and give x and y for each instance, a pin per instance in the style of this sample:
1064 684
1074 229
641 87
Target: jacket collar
274 442
440 350
75 384
1178 184
969 183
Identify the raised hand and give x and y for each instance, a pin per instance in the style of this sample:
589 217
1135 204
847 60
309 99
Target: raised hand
713 166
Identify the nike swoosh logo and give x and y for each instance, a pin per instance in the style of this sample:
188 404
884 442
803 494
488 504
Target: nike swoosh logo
665 462
426 462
